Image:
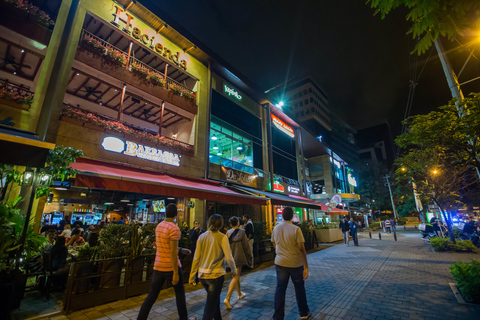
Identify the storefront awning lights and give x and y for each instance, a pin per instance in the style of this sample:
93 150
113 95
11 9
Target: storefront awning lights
214 137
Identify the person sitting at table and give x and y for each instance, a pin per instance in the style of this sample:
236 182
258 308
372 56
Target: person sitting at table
51 233
67 231
59 253
75 239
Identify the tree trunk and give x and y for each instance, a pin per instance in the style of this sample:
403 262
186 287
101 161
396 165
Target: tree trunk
448 221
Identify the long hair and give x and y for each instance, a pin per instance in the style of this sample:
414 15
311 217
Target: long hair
215 222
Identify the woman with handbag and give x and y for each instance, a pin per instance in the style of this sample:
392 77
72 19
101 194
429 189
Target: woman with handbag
241 253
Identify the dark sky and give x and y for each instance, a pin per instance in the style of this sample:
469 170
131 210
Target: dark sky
362 62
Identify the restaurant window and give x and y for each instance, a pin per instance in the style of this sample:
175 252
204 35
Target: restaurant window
231 149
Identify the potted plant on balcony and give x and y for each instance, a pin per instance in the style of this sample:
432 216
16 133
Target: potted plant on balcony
113 237
93 45
156 79
115 56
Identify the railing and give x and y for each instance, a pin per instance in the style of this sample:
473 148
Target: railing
135 64
106 122
15 92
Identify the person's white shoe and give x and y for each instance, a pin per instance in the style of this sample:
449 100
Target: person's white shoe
243 295
227 304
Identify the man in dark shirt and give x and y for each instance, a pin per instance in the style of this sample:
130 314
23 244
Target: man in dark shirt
248 227
78 223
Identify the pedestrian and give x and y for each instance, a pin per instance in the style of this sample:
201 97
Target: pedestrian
345 227
194 234
392 224
353 231
63 223
387 226
242 255
290 261
208 262
122 221
78 223
248 227
167 266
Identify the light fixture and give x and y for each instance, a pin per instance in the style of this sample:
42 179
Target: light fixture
219 154
174 136
146 199
78 74
170 198
239 148
27 177
125 200
214 137
215 147
45 180
108 203
23 51
129 204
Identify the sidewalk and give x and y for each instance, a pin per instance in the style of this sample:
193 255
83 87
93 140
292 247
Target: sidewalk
380 279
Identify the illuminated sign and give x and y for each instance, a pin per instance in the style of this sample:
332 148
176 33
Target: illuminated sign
145 38
283 126
232 92
133 149
292 189
351 180
277 187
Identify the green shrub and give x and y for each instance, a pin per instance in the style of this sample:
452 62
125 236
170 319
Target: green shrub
374 225
467 276
463 245
439 244
402 221
87 253
456 233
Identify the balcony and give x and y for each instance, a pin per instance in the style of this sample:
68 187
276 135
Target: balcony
103 56
15 95
102 123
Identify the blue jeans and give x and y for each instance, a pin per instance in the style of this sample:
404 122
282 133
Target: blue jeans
283 275
158 279
212 306
355 237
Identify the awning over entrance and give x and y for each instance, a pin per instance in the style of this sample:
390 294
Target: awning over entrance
283 200
22 148
102 175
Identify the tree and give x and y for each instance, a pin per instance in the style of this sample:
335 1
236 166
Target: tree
448 131
372 188
432 18
438 179
405 201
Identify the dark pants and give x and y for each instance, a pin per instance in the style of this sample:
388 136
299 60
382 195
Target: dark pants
212 305
355 237
283 275
158 279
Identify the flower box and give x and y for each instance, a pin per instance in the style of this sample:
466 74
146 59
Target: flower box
14 104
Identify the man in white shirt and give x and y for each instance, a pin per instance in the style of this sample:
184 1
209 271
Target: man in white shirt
290 261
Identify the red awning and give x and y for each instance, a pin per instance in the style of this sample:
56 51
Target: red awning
102 175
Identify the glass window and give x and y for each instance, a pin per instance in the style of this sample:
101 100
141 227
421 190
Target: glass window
302 113
296 105
299 94
311 99
301 103
305 91
307 111
306 101
312 109
310 90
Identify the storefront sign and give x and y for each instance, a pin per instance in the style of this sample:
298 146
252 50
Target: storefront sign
351 180
240 177
285 128
294 190
141 36
140 151
231 92
278 187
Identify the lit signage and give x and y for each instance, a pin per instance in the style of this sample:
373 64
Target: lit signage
285 128
292 189
232 92
351 180
133 149
121 15
277 187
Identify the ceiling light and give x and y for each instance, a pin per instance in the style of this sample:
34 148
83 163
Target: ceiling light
239 148
219 154
125 200
214 137
61 188
170 198
215 147
78 74
23 51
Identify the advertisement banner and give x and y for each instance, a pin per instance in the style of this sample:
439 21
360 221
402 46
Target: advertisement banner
239 177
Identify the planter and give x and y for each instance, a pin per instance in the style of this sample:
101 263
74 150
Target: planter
135 270
11 293
81 270
150 260
72 121
111 273
328 235
14 104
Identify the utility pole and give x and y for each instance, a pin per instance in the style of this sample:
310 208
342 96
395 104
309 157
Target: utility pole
391 196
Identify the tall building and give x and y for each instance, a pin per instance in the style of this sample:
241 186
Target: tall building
376 145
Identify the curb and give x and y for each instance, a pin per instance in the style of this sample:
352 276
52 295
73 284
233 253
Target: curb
458 295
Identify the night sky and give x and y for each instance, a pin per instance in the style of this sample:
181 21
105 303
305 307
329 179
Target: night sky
363 63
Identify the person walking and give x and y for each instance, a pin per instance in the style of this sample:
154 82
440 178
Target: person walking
353 231
167 266
242 255
212 249
248 227
290 262
194 234
387 226
345 227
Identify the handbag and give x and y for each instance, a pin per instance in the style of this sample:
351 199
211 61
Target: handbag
234 233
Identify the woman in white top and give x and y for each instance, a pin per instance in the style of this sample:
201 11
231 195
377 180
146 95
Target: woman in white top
212 249
67 231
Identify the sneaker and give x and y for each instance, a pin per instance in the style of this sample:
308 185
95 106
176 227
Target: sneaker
192 318
307 316
243 295
227 304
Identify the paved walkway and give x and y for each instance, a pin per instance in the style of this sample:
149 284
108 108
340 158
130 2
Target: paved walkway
377 280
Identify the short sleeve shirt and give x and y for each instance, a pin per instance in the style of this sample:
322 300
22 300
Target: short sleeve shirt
164 233
286 236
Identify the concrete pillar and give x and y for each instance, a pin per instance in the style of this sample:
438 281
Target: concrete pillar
265 161
56 68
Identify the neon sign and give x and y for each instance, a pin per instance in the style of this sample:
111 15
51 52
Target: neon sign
292 189
282 126
351 180
133 149
232 92
277 187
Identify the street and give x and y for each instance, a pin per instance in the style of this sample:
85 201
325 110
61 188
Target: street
380 279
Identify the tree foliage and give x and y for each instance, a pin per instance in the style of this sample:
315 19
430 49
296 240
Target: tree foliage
372 190
432 18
